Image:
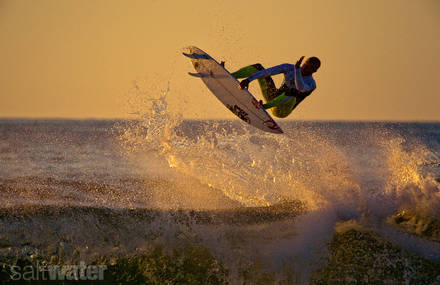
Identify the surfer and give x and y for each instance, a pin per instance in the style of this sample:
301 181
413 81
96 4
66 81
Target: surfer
298 83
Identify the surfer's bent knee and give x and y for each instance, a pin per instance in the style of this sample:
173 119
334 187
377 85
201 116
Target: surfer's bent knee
280 114
258 66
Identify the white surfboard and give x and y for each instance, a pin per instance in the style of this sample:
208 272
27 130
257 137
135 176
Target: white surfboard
227 89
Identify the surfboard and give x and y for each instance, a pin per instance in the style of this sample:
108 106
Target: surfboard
227 89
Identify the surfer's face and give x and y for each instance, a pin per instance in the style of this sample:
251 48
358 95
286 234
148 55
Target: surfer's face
308 68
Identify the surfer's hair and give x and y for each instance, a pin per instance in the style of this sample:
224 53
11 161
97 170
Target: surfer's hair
314 60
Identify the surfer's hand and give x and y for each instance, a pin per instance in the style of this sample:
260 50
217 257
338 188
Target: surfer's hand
298 63
244 84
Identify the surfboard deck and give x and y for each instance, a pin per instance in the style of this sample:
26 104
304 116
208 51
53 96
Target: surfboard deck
227 89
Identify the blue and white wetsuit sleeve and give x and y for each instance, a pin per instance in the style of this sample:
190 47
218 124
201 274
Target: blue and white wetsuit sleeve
300 84
282 68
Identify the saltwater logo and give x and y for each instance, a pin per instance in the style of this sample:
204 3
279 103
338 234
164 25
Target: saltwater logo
57 272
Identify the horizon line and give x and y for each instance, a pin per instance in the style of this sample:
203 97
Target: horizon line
215 119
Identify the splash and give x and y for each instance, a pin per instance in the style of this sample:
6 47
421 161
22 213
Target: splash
358 175
255 169
259 169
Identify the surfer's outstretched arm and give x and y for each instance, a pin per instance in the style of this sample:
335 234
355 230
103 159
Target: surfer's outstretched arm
282 68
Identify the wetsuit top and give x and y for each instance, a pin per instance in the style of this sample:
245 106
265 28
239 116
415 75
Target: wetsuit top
293 79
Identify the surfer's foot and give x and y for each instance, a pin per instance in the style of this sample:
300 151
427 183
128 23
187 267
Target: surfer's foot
262 104
222 63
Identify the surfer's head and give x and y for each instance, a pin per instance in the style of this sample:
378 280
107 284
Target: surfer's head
311 65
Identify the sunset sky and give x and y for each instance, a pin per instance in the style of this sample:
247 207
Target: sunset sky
82 58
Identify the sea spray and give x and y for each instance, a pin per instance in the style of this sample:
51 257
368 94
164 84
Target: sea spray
310 164
221 198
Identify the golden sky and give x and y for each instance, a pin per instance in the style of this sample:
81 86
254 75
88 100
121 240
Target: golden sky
81 58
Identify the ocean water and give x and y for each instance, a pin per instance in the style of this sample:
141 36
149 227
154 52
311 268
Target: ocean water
165 200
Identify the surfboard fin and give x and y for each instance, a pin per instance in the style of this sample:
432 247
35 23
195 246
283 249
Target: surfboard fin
199 75
196 56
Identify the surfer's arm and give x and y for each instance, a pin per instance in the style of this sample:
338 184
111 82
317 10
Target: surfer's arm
301 86
282 68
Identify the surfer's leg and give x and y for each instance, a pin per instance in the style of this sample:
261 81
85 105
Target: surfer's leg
245 72
267 85
285 108
282 105
277 101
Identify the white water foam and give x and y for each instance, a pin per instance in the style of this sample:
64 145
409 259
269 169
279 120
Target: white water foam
364 178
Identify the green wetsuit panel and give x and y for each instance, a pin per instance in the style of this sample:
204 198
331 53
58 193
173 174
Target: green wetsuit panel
281 107
284 109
